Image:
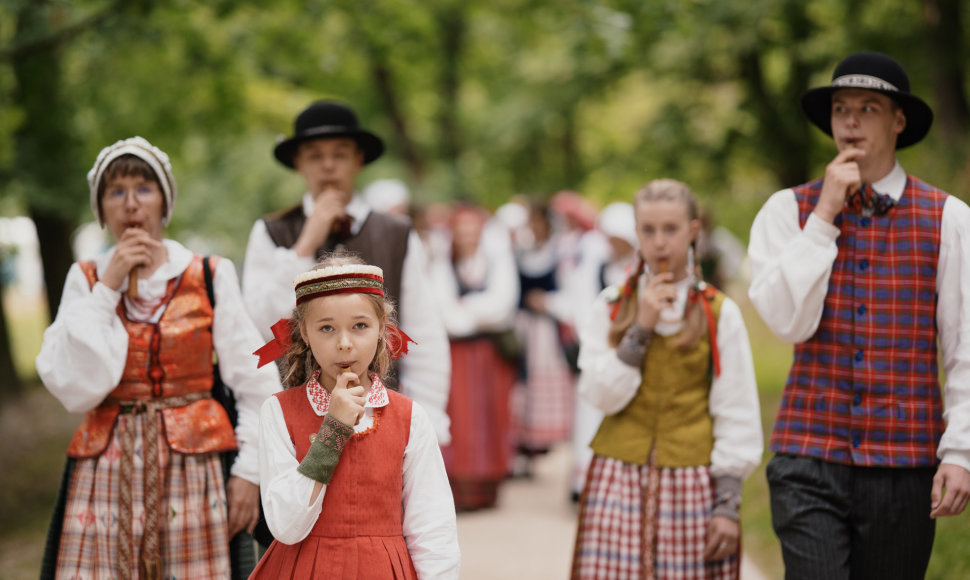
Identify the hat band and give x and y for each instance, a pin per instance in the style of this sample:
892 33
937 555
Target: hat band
863 82
339 285
328 129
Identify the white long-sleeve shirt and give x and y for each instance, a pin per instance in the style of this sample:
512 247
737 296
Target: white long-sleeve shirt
610 384
425 372
83 353
429 525
791 266
493 307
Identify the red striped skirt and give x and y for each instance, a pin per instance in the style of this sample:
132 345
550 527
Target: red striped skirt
643 522
477 458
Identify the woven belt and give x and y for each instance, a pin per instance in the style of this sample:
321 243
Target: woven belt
151 559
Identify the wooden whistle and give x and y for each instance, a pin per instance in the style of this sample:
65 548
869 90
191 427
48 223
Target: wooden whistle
133 281
663 264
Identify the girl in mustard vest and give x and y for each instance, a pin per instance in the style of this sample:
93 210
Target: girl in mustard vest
354 483
667 358
132 346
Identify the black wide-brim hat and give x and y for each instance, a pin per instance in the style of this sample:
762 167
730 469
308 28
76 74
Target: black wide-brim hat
872 71
327 120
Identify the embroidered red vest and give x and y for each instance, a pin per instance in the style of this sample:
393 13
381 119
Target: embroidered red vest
170 358
864 389
360 527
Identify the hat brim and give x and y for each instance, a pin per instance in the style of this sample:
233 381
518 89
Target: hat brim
371 145
817 104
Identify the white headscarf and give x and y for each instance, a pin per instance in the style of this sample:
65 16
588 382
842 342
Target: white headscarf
153 156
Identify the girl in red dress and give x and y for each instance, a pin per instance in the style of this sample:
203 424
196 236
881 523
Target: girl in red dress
354 483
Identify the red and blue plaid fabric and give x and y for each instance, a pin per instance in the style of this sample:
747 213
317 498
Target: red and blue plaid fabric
863 390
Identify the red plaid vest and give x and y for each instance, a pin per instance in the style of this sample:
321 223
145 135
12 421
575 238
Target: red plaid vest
863 390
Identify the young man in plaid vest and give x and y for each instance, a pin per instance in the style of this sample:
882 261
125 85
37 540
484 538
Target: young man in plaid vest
866 270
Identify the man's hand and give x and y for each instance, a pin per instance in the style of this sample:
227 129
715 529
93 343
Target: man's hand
723 535
328 209
842 177
243 500
951 491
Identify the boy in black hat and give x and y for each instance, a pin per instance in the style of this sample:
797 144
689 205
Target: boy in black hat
329 149
864 270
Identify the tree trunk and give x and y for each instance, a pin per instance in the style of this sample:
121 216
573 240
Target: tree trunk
56 256
384 81
10 384
451 26
46 153
783 129
944 24
572 167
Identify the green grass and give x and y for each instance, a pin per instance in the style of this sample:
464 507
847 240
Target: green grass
26 322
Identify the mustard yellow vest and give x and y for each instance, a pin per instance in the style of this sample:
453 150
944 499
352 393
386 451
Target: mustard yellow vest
670 409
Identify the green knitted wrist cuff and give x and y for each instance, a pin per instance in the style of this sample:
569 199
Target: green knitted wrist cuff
321 460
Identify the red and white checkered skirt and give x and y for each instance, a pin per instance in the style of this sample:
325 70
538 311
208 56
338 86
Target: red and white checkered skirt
617 519
543 403
194 528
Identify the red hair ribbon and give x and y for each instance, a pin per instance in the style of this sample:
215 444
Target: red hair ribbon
277 347
625 293
704 295
397 342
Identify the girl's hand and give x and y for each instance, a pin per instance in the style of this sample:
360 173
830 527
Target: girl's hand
347 399
659 294
136 248
723 535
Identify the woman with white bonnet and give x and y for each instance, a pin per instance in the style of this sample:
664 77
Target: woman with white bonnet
132 348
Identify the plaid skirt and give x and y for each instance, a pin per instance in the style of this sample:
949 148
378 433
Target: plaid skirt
543 400
194 525
644 522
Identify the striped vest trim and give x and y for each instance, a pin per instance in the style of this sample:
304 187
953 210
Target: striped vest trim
864 389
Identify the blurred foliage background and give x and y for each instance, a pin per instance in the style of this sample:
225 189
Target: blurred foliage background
476 100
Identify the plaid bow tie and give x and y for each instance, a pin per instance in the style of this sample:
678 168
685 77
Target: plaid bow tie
867 201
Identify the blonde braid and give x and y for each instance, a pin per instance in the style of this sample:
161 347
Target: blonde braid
626 311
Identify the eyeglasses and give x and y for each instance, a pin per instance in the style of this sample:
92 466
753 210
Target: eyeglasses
119 195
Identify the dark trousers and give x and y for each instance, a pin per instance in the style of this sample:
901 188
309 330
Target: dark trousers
840 522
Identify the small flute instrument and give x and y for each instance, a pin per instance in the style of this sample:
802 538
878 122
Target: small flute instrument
133 282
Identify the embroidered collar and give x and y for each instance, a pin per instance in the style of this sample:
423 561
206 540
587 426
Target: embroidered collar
319 398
